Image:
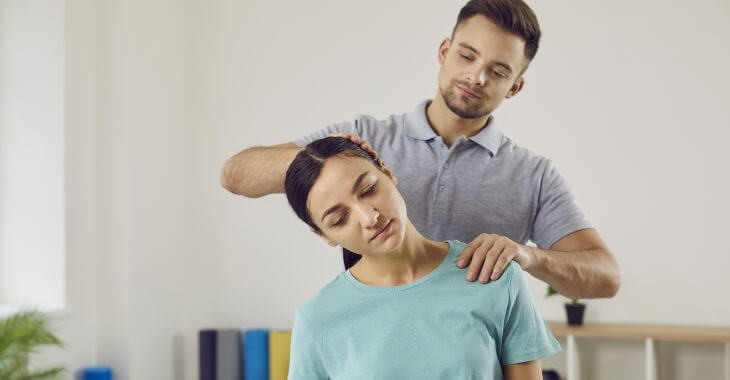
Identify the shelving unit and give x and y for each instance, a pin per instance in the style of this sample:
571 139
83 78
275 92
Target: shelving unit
648 333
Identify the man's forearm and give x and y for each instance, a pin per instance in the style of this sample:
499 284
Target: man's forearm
258 171
589 273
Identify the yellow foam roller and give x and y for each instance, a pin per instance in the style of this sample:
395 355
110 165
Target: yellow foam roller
279 343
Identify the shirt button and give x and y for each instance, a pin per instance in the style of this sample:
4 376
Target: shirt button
442 187
446 166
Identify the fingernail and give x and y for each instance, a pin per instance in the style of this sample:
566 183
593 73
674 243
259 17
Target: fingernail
470 276
494 276
460 263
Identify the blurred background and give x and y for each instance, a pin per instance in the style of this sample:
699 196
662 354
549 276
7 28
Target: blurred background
116 117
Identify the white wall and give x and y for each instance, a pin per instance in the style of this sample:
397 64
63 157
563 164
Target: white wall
626 97
31 154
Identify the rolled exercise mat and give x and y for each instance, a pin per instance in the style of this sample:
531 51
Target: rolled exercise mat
256 354
207 353
279 342
96 373
228 354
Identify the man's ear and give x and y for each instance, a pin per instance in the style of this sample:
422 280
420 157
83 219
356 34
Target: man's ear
516 87
327 240
444 49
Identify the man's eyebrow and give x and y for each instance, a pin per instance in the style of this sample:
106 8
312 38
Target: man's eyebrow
506 66
336 207
467 46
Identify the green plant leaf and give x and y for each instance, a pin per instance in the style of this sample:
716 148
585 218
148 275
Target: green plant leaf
20 336
550 291
44 374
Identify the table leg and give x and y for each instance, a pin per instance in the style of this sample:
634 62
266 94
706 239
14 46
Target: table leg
572 354
727 360
650 356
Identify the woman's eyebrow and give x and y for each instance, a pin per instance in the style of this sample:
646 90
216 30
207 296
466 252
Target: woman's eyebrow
358 181
336 207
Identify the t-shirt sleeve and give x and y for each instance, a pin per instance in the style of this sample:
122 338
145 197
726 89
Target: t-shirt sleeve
346 127
305 359
525 335
558 214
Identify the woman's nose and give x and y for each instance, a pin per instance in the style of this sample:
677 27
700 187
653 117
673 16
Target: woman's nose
368 216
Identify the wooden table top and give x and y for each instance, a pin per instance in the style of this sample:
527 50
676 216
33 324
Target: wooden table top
642 331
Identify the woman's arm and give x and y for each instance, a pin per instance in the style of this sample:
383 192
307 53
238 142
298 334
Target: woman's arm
523 371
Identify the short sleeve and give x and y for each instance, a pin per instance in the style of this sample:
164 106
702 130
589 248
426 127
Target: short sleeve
305 359
525 335
347 127
558 214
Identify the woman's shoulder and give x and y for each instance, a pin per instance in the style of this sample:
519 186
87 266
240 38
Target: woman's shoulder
327 300
511 272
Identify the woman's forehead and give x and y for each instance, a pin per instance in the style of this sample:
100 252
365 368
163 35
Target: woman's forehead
336 179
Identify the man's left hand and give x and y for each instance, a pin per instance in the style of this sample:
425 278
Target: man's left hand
489 254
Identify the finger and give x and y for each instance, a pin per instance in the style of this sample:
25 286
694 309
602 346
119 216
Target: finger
491 258
466 254
367 148
504 259
477 260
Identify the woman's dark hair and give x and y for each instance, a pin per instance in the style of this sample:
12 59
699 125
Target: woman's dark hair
304 171
511 15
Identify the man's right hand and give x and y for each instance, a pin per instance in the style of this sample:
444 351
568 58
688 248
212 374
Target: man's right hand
362 144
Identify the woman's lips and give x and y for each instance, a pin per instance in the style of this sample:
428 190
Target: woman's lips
385 228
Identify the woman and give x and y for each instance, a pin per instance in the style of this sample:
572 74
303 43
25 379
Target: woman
404 310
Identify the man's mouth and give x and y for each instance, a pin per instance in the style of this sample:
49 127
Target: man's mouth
468 92
385 227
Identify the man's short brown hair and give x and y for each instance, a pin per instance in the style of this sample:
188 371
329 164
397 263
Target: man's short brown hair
512 15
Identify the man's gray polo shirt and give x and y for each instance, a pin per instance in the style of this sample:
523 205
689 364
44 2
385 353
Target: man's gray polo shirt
485 183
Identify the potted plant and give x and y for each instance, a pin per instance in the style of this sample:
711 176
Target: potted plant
20 336
574 310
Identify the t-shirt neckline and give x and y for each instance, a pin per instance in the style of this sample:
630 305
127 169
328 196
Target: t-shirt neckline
398 288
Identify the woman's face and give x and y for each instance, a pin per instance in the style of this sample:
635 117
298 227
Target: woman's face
357 206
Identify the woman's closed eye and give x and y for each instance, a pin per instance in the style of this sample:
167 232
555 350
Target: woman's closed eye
370 190
342 219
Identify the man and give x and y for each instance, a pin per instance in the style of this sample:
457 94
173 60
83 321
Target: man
461 178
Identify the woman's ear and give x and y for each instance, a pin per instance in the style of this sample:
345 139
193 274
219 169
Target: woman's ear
386 170
327 240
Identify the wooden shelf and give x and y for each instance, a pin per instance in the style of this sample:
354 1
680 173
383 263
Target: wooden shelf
646 332
640 332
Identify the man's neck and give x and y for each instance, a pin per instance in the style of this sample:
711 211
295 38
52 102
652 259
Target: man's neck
416 258
449 125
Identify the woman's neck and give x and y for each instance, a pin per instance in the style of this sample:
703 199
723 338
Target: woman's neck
415 258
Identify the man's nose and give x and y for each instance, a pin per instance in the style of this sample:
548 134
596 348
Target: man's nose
478 78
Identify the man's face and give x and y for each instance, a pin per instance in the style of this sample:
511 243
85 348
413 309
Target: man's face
357 206
480 67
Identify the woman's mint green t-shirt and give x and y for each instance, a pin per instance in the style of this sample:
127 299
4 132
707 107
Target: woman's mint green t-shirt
438 327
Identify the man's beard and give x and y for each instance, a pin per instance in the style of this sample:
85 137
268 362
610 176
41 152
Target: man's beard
472 111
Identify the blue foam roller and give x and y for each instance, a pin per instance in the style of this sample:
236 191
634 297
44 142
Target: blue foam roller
256 354
97 373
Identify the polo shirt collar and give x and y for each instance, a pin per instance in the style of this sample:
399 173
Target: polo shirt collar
489 137
418 127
